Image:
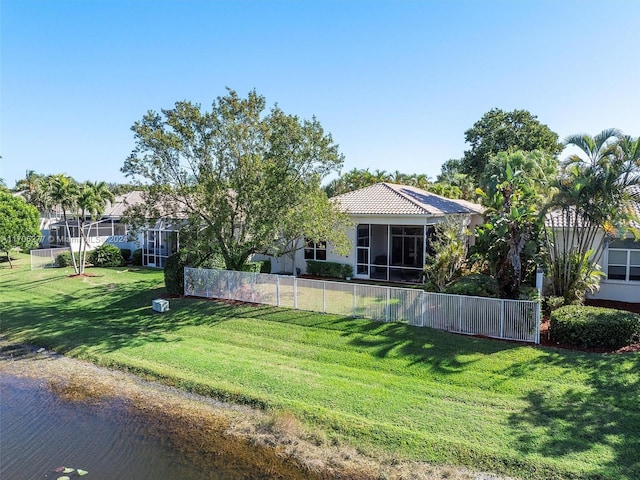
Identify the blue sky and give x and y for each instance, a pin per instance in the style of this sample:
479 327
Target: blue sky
396 83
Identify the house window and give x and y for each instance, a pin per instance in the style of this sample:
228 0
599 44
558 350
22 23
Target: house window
315 251
624 260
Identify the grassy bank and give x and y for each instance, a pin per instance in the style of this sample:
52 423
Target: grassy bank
416 393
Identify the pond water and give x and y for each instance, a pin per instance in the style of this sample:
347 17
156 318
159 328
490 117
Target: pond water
41 432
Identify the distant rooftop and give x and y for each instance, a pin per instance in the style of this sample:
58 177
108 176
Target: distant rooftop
391 199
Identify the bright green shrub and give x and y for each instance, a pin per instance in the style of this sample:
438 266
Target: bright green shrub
106 255
594 327
325 269
476 285
136 257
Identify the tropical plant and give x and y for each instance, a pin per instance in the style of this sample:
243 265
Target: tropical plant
448 253
514 186
593 204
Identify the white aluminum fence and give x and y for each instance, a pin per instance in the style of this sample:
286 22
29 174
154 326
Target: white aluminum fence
45 257
491 317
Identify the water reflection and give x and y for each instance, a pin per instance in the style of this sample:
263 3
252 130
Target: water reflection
41 431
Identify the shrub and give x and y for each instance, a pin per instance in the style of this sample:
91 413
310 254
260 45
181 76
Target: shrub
126 254
106 255
136 257
174 273
476 284
175 264
347 270
594 326
260 266
325 269
64 259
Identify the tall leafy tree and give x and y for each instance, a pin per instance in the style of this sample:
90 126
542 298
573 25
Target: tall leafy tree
499 131
592 205
19 224
514 186
234 173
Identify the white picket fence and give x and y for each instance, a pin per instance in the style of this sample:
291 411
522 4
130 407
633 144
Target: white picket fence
497 318
45 257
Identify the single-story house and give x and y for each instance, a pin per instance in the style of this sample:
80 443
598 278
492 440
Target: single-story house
391 229
157 242
621 264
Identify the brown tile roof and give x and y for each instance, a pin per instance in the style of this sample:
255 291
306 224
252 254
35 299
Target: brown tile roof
391 199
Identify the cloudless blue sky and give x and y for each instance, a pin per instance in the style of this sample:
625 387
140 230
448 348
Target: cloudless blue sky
396 83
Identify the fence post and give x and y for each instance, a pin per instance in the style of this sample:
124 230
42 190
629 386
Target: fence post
387 305
253 287
324 297
228 284
460 314
538 320
502 305
423 311
295 292
355 300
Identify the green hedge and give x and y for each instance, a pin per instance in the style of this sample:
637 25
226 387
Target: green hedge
594 326
174 273
476 285
64 259
260 266
329 269
106 255
136 257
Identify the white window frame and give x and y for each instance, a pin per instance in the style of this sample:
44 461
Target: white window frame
619 246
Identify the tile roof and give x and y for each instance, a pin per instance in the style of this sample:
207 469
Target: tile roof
391 199
122 202
557 220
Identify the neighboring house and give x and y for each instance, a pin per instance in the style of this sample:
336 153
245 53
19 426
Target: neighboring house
391 229
621 264
157 242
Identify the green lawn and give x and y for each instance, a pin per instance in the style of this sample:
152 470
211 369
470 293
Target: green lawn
413 392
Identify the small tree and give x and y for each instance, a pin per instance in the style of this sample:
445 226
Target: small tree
19 224
448 253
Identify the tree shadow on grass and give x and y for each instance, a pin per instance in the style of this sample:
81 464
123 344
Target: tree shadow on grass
444 352
106 317
598 417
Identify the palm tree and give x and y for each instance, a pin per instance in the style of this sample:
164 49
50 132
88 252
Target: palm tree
592 197
91 203
64 193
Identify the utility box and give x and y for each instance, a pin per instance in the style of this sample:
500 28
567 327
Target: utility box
160 305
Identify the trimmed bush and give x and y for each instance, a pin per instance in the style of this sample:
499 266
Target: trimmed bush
64 259
325 269
594 326
126 254
347 270
106 255
136 257
174 273
476 285
260 266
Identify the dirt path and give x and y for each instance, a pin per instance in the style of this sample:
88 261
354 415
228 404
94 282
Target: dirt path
209 431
